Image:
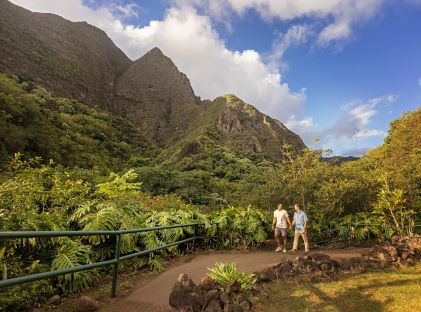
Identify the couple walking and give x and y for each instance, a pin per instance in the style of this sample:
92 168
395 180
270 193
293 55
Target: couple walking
280 225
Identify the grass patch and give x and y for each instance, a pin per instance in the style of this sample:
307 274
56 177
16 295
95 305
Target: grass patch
380 290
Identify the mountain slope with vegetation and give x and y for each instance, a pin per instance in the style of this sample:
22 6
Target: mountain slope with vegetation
78 61
36 123
73 60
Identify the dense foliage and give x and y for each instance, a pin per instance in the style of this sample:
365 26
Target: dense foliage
34 122
38 196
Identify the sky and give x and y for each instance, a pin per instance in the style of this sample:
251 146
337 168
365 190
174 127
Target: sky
336 72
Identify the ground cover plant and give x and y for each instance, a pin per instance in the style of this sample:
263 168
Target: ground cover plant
224 273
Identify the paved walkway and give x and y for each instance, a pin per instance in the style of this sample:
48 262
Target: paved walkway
153 295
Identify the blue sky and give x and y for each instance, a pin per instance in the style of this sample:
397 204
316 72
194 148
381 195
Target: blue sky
337 70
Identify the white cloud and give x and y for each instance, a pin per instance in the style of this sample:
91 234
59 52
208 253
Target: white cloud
352 130
361 115
128 10
196 48
341 15
355 151
365 134
304 126
295 35
300 124
391 98
337 30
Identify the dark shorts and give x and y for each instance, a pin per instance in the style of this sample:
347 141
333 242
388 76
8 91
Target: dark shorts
281 231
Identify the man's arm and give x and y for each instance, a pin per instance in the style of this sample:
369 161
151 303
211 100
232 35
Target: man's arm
305 223
289 222
273 223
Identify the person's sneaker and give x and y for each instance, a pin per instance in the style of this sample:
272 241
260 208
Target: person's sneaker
293 251
278 249
284 250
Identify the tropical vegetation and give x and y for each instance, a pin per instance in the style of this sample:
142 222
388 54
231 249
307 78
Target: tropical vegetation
225 273
67 166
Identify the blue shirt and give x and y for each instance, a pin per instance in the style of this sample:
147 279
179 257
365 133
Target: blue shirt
300 219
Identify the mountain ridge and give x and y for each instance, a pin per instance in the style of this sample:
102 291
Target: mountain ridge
79 61
71 59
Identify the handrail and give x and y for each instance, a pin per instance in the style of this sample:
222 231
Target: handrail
27 234
90 266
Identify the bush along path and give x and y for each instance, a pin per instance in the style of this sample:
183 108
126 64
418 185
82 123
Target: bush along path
212 295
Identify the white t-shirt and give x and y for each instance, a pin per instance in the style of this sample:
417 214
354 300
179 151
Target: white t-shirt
281 218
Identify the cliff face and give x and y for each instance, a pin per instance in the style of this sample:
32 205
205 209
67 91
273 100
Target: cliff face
158 97
243 126
74 60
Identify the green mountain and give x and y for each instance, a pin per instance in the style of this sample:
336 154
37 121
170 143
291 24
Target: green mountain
78 61
231 123
73 60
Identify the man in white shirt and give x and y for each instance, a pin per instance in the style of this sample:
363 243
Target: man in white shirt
279 226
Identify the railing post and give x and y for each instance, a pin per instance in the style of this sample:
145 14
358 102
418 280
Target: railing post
349 234
115 266
368 234
219 237
195 235
385 232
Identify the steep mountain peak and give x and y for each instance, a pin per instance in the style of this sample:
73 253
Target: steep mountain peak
229 97
155 51
234 102
156 96
243 127
157 57
154 71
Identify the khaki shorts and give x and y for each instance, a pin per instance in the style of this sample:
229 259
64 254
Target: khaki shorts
281 231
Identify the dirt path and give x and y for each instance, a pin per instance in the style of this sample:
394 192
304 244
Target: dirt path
153 295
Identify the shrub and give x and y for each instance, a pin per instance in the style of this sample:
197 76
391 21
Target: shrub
224 273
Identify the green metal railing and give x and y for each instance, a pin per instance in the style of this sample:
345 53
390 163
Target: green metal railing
118 257
114 262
